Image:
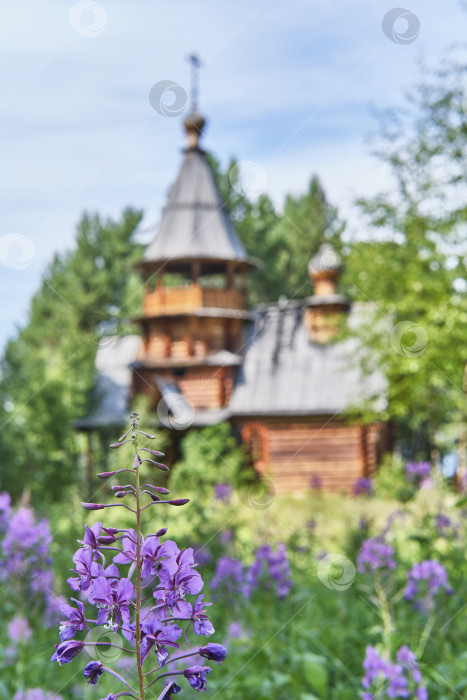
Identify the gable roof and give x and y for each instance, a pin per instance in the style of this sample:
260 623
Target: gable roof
284 373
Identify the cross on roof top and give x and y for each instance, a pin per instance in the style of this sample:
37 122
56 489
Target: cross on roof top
196 64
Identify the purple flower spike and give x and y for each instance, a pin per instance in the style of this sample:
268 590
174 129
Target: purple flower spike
375 554
196 676
66 651
92 671
214 652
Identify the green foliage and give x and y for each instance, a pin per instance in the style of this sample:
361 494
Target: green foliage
210 456
391 480
47 371
411 269
283 243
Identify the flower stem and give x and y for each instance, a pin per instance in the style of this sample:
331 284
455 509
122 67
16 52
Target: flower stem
138 573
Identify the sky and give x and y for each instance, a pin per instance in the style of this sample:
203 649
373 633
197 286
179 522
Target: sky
288 89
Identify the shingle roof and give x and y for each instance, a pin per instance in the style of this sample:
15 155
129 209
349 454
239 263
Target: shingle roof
194 221
284 373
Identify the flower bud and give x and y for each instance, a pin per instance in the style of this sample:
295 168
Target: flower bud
106 539
116 445
117 488
214 652
179 501
122 494
153 452
92 506
148 435
106 475
111 530
161 532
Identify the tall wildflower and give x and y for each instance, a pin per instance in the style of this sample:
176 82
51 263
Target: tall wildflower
140 586
384 679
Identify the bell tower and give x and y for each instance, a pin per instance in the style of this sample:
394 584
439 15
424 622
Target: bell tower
194 308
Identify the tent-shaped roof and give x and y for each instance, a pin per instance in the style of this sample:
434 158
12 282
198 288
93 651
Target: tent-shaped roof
195 224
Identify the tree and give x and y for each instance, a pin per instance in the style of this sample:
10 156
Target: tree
283 243
47 370
412 269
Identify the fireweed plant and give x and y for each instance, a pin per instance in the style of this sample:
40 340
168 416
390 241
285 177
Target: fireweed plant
148 603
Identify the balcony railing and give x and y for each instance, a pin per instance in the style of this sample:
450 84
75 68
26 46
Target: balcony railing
169 300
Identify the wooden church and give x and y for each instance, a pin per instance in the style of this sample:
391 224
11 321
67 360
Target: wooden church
276 372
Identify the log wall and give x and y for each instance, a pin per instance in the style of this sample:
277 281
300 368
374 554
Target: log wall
298 455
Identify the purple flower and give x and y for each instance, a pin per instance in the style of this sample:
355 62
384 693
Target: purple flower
92 671
90 538
400 677
196 676
157 635
235 630
112 601
229 573
128 553
156 555
424 581
19 630
214 652
362 487
417 471
271 568
223 492
375 554
86 569
75 621
35 694
184 580
66 651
